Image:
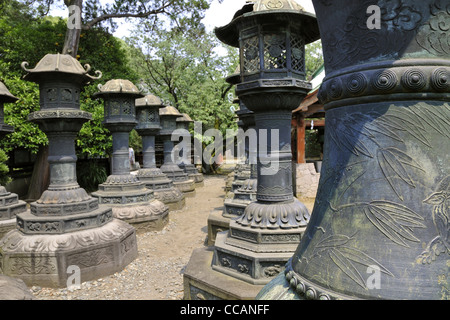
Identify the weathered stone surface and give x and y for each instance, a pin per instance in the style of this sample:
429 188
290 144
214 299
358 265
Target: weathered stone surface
201 282
43 260
307 180
14 289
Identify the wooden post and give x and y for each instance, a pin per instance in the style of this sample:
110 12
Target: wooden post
301 144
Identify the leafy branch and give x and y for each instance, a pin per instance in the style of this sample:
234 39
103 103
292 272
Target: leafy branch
344 257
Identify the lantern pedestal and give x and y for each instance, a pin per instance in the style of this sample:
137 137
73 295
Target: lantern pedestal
241 174
168 116
244 192
244 187
10 205
186 162
201 282
122 191
147 114
271 38
65 230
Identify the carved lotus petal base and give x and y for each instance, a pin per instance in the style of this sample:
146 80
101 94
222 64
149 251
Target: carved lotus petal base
186 186
275 215
62 196
149 172
153 215
171 197
51 260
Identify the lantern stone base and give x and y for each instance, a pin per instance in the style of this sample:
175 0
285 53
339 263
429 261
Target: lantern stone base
243 196
6 226
134 204
193 174
152 216
216 223
163 188
10 206
186 186
172 198
198 179
254 257
201 282
44 260
219 221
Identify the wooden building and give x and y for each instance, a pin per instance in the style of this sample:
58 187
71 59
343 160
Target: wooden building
308 116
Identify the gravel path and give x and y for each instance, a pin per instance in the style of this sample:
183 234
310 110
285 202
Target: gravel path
157 273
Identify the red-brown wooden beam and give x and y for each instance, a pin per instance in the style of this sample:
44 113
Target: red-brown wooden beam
301 144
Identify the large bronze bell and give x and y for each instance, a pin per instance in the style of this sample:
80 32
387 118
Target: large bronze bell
381 222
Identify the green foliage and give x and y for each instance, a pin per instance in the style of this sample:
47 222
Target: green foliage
4 170
90 174
135 141
313 147
313 57
27 38
184 70
93 140
24 36
26 134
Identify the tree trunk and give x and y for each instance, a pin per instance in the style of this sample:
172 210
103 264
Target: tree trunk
40 178
73 32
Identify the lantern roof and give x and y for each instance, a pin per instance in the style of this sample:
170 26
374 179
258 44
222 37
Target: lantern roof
5 95
63 63
229 34
184 118
169 111
149 100
116 86
234 78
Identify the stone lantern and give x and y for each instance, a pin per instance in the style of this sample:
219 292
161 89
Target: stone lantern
242 170
271 36
147 114
66 230
244 186
183 123
168 116
380 226
128 197
10 205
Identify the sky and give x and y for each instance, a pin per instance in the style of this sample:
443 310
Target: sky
219 14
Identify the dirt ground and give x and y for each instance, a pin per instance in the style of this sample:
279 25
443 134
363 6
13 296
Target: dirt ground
157 273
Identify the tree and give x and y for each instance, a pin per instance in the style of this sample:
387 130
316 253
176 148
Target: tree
184 70
83 15
24 36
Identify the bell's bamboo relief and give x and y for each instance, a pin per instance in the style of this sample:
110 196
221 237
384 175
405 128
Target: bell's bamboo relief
393 219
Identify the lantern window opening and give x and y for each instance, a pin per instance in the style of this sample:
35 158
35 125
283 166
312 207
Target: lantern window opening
250 54
297 54
119 107
275 51
152 116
